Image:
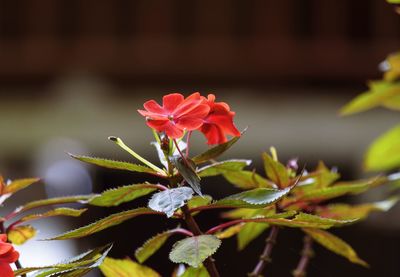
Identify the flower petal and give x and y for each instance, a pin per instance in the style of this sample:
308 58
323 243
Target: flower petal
10 257
213 133
225 123
171 101
3 237
153 107
188 104
189 123
173 131
5 247
158 124
5 270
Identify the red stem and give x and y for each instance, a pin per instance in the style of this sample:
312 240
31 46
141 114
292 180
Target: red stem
306 254
188 143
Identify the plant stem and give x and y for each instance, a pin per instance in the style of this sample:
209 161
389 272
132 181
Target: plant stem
306 254
192 224
188 143
266 255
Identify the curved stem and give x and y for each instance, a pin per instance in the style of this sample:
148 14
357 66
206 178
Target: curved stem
265 257
188 143
306 254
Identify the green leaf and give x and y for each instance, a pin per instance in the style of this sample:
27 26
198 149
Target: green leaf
335 244
188 172
345 211
114 164
245 179
223 167
74 266
384 152
126 268
303 220
393 1
340 189
229 232
195 272
249 232
152 245
392 62
276 171
380 92
197 201
55 212
216 151
104 223
169 200
117 196
19 184
83 199
20 234
254 199
194 250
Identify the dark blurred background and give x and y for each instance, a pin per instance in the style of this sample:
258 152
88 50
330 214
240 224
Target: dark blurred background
74 72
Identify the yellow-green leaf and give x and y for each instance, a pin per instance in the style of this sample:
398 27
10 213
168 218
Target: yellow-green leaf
245 179
152 245
276 171
223 167
384 152
55 212
335 244
229 232
214 152
126 268
195 272
19 184
20 234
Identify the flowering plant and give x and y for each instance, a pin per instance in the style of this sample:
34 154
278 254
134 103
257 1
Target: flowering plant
282 197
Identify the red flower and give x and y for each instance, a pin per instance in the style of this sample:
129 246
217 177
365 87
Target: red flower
218 122
7 255
176 114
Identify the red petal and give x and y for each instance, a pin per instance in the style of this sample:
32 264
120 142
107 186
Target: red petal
153 107
189 123
10 257
5 270
188 104
171 101
152 115
5 247
173 131
213 134
3 237
225 122
158 125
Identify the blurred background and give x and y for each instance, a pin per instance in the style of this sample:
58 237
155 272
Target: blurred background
74 72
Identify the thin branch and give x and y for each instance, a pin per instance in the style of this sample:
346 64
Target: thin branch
306 254
265 257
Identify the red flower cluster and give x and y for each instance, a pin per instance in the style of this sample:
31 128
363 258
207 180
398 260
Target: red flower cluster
177 114
8 255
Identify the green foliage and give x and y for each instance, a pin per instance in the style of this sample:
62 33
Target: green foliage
195 272
384 152
255 198
114 164
214 152
126 268
152 245
54 212
276 171
77 266
54 201
224 167
194 250
20 234
245 179
117 196
187 169
169 200
335 244
107 222
249 232
17 185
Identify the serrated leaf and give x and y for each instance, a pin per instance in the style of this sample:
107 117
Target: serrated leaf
188 172
380 92
194 250
20 234
54 201
304 220
245 179
126 268
107 163
346 211
197 201
255 198
169 200
19 184
195 272
384 152
276 171
55 212
117 196
102 224
223 167
152 245
335 244
87 260
340 189
214 152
